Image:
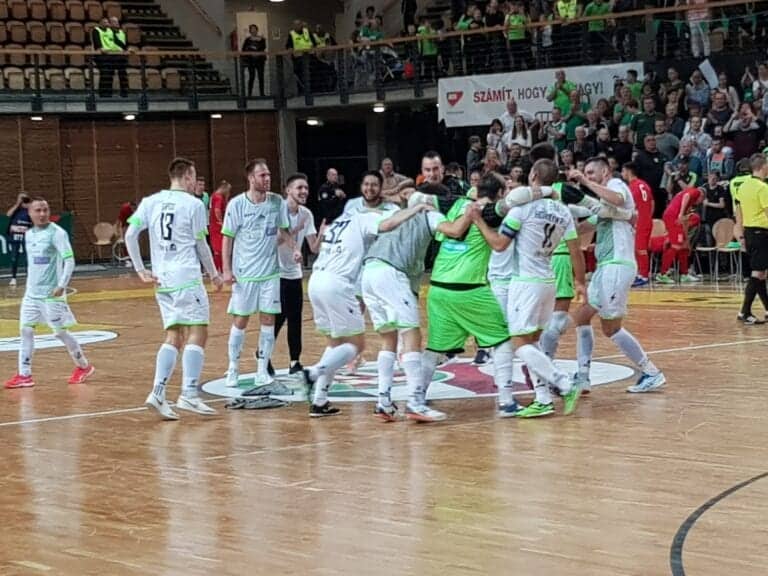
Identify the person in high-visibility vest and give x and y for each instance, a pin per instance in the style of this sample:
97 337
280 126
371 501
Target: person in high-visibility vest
119 59
102 40
518 46
300 41
428 49
567 47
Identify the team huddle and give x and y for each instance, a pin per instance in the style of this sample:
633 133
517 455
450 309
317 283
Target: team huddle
508 269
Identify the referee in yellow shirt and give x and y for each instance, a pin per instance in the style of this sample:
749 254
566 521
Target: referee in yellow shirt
751 205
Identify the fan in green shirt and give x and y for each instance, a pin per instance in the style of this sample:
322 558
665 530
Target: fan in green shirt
560 92
597 8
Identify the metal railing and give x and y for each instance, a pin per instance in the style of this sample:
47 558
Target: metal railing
147 78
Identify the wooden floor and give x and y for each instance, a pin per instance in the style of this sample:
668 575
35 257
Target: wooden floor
93 484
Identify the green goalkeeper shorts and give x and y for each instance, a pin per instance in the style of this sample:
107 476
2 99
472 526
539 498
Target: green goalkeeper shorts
563 269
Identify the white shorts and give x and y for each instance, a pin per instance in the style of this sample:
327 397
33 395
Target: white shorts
500 289
529 306
609 289
388 297
185 307
335 308
55 313
248 298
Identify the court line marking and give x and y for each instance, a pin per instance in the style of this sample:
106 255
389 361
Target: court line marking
676 550
216 400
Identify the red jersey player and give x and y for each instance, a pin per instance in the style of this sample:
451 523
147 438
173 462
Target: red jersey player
677 218
644 204
219 202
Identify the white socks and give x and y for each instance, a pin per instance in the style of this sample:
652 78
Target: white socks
73 347
543 367
236 340
266 346
333 359
632 349
192 365
429 361
585 342
503 359
386 369
414 376
164 365
550 337
26 351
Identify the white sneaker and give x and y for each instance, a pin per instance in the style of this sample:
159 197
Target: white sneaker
194 405
162 407
12 282
423 414
262 379
233 378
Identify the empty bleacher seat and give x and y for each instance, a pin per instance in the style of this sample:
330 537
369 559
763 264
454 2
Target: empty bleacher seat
134 78
57 60
113 9
171 79
36 32
75 78
55 79
132 34
33 77
18 9
75 10
57 10
154 79
152 60
77 60
3 34
57 34
17 32
14 78
94 10
16 60
38 10
75 32
3 10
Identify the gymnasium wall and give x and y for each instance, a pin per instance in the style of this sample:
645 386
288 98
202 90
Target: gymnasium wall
90 167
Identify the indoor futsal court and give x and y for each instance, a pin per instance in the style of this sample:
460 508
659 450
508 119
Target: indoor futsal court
673 482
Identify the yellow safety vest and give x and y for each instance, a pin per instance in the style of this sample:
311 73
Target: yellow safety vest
567 9
321 41
516 26
107 39
301 42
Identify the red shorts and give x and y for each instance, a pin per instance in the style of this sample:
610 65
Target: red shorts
675 232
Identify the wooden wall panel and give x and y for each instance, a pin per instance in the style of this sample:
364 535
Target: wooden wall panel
228 151
192 139
116 151
10 166
263 141
78 168
42 160
155 151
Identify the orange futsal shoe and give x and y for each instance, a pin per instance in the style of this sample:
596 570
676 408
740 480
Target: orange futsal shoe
20 381
80 375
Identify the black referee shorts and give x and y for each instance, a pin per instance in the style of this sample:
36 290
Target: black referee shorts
756 240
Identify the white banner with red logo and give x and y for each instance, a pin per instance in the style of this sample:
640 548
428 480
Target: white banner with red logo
477 100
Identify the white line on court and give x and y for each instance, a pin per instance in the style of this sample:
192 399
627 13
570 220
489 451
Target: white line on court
142 408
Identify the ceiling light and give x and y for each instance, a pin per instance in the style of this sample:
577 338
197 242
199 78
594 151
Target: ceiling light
129 117
313 122
216 116
379 108
36 118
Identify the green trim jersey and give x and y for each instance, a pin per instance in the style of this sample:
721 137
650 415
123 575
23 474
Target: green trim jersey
175 220
462 261
536 229
345 243
46 250
254 226
615 242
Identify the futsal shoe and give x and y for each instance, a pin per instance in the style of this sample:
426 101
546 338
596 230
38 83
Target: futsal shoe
423 413
663 279
583 384
162 407
233 379
750 319
80 375
509 410
648 383
323 411
387 413
263 379
295 368
689 279
571 399
482 357
20 381
640 282
535 409
194 405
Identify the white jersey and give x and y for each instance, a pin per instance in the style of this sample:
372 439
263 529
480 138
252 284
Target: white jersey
357 205
344 244
537 229
301 225
175 221
254 229
500 264
46 249
616 238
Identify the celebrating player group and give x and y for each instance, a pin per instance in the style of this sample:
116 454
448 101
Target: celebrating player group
508 272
